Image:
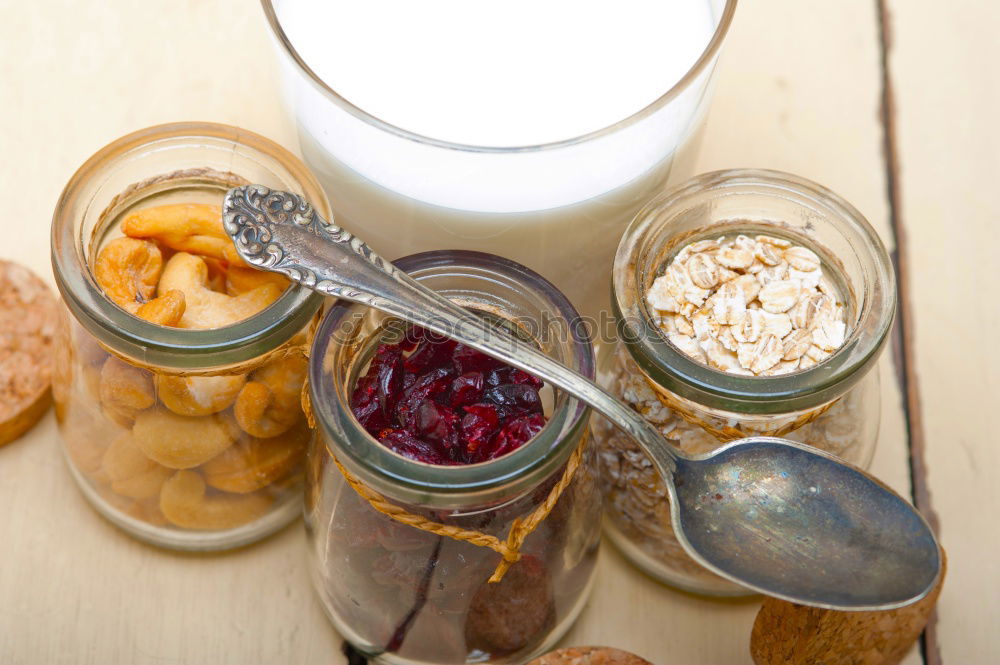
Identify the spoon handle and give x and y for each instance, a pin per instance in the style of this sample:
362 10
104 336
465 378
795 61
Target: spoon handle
281 232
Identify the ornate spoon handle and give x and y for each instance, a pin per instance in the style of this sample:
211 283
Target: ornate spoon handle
281 232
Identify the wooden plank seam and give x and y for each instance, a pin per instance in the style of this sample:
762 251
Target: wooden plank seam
903 335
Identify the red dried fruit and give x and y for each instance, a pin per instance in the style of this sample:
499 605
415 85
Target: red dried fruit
520 376
429 385
499 375
467 389
439 425
515 399
381 387
446 403
507 374
515 434
433 351
480 423
408 445
366 406
468 359
388 365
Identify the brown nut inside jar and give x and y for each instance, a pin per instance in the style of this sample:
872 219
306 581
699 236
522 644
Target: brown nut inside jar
175 448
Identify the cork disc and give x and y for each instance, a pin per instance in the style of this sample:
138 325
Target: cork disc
28 316
589 656
788 634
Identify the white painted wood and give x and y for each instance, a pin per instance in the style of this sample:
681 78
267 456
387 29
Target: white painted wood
943 65
799 90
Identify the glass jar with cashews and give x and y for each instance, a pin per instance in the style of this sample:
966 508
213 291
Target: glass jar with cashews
180 368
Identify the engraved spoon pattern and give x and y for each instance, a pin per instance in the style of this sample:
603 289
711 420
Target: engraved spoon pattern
776 516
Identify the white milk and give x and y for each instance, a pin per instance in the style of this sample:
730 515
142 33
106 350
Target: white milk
499 75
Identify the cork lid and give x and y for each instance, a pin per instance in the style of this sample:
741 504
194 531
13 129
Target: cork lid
28 318
589 656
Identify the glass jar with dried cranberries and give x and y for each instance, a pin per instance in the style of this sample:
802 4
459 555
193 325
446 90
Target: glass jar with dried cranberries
411 423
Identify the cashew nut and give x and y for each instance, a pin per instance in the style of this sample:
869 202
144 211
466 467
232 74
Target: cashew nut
128 270
86 436
249 465
166 310
241 280
186 502
181 442
131 473
125 389
90 358
145 510
218 272
269 403
185 227
198 395
206 308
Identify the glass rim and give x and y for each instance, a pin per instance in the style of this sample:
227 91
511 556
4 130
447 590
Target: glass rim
168 347
784 393
707 56
419 482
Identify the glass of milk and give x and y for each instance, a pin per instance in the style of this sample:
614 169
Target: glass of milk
533 130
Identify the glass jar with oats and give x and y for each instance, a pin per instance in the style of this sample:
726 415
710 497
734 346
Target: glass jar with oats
748 303
180 368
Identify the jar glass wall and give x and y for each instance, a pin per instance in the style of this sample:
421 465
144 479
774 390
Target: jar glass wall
833 404
149 415
401 594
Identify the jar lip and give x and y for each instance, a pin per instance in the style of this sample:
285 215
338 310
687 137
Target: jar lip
159 345
392 473
714 388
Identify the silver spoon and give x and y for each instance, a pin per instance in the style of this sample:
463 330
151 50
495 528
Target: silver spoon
772 515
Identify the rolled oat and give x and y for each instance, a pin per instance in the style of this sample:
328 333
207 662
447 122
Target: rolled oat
744 305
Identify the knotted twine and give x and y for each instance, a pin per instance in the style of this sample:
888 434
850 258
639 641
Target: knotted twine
509 549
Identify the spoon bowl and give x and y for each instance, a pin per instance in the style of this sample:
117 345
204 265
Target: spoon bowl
778 517
796 523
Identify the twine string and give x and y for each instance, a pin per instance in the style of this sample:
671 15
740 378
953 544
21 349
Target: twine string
509 549
729 433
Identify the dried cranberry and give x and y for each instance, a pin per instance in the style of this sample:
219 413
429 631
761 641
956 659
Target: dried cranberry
480 423
433 383
514 398
522 377
438 424
466 389
433 351
446 403
388 366
515 434
379 389
468 359
411 446
365 405
499 376
507 374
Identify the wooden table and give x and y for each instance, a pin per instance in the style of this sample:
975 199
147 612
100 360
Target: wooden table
891 103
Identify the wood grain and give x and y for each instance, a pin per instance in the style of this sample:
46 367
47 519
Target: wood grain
947 100
799 90
903 346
